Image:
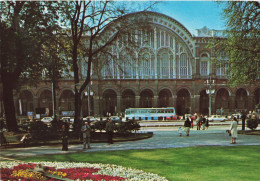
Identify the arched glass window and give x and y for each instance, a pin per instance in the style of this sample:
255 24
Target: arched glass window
146 64
127 66
183 65
165 64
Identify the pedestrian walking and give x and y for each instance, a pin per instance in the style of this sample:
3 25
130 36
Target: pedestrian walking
203 122
192 124
180 131
198 122
243 117
64 136
86 130
207 123
187 125
233 130
110 131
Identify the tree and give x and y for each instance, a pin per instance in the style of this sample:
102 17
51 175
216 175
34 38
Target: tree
55 65
89 40
242 41
24 27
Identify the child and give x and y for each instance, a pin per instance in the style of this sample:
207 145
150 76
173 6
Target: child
180 131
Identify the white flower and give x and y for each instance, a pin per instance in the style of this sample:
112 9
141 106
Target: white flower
105 169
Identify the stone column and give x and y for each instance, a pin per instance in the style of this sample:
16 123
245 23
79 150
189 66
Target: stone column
137 101
155 101
96 106
195 104
213 104
231 103
119 104
174 101
36 103
250 103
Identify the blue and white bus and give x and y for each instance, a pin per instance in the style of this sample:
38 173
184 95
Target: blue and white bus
149 113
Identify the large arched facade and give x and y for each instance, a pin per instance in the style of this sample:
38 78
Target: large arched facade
167 67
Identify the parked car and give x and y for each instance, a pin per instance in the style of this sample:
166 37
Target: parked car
116 119
217 118
47 119
90 118
67 119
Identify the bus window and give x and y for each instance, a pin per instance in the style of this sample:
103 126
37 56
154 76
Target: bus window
127 112
153 111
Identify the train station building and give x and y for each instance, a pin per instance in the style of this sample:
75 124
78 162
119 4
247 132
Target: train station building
171 68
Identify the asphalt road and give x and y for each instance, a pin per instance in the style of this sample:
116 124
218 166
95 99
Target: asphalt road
164 137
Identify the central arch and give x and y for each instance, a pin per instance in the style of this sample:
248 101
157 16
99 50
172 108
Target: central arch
146 98
183 102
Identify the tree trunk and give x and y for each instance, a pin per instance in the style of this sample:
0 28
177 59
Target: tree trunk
77 121
54 100
9 108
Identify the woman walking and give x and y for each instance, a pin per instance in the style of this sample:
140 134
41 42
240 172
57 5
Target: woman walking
233 130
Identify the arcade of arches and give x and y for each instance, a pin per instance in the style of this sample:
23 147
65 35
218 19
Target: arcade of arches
115 102
169 68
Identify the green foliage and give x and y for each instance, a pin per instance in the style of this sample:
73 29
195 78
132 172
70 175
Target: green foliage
121 128
241 43
128 127
252 123
100 125
39 130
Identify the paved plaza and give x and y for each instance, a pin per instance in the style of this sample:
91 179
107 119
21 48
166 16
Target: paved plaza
164 137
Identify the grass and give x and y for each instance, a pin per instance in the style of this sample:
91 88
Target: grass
193 163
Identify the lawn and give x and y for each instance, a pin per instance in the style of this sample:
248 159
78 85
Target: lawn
192 163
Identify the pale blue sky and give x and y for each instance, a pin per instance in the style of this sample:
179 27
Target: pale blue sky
194 14
191 14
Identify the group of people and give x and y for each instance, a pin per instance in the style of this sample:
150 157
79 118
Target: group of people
201 121
86 134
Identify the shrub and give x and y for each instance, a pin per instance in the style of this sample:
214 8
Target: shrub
39 131
252 123
128 127
100 125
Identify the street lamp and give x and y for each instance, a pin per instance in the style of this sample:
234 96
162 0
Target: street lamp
210 90
89 93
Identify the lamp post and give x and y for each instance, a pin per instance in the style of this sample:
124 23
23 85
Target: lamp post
89 93
211 90
78 86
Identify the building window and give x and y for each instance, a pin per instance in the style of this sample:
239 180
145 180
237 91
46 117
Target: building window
183 65
146 65
204 68
222 69
204 64
165 64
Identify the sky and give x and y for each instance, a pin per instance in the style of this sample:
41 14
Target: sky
194 14
191 14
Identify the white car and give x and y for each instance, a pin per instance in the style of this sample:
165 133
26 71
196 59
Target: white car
67 119
217 118
115 119
47 120
90 118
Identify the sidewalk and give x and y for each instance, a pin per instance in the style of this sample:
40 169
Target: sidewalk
164 137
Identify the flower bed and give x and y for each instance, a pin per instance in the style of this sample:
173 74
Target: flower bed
12 170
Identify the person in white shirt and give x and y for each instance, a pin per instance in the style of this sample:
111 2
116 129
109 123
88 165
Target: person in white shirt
233 131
